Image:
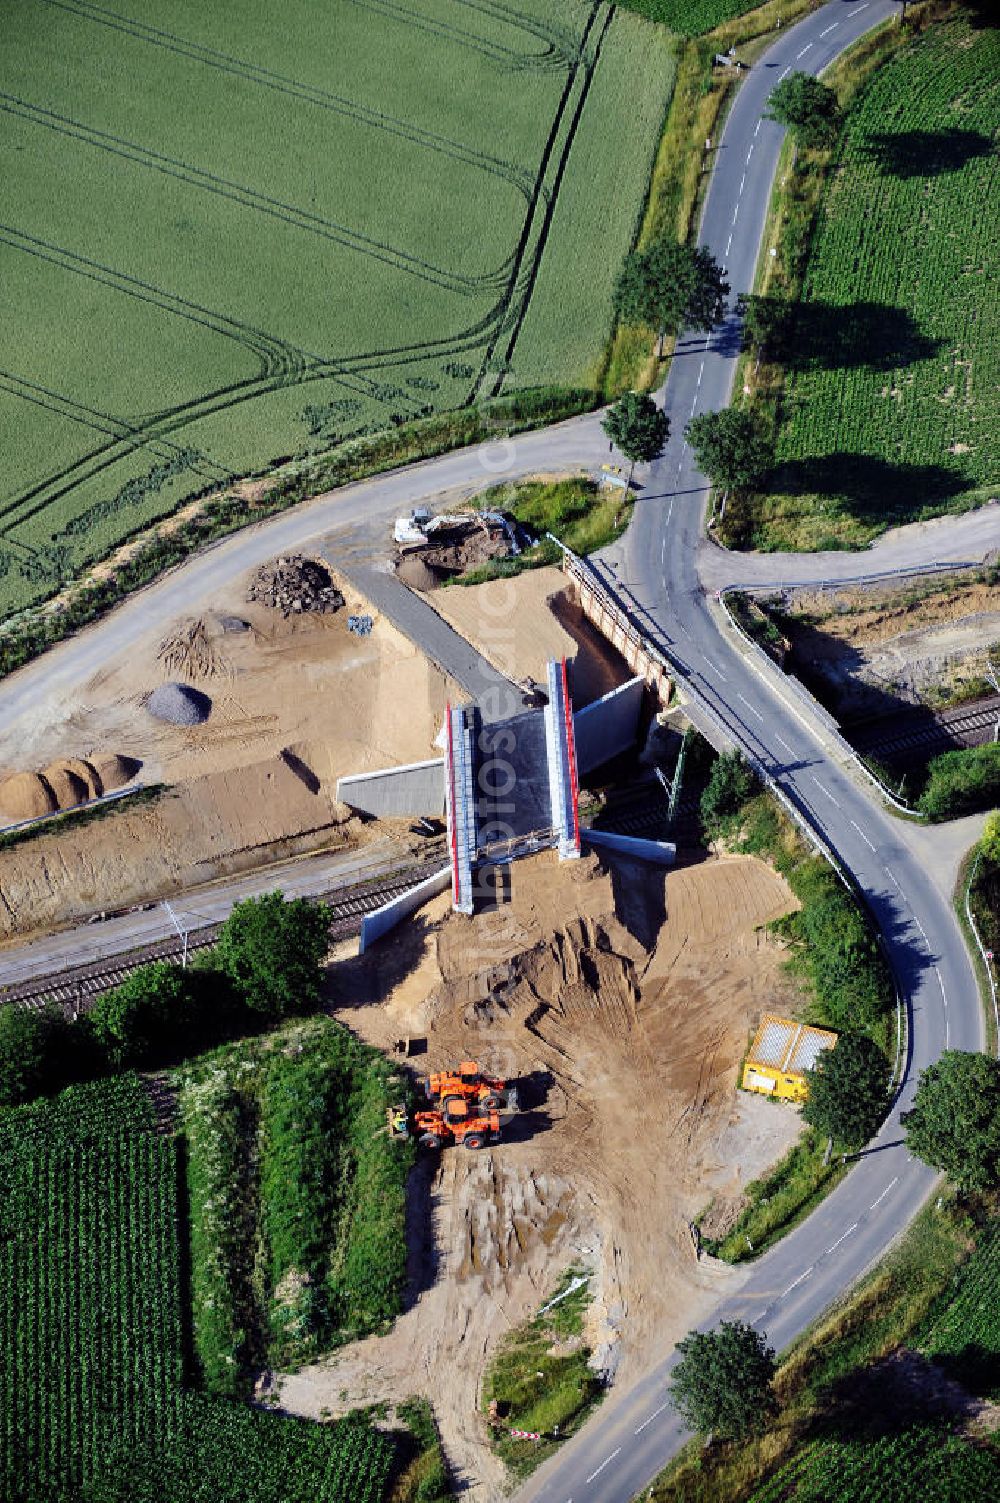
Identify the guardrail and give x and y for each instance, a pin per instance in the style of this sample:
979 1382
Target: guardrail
88 803
810 703
600 607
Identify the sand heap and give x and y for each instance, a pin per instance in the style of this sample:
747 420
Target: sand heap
64 784
26 796
293 585
179 704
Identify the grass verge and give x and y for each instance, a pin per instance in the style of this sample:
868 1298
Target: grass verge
780 1200
540 1380
423 1472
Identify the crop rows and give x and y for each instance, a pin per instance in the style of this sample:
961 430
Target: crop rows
965 1336
925 1463
898 416
91 1331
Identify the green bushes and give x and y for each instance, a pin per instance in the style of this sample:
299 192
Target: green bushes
298 1198
578 512
838 949
268 963
962 782
731 784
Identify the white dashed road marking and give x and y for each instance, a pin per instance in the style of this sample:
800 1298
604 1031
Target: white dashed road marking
823 789
655 1415
842 1238
828 30
883 1195
729 243
759 124
750 707
803 52
797 1282
701 372
861 832
786 73
607 1462
782 742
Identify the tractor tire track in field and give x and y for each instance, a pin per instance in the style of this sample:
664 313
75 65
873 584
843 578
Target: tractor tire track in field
94 418
523 276
551 57
283 364
249 198
277 357
252 73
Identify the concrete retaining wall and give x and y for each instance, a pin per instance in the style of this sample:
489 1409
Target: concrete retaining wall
416 789
663 852
375 925
609 726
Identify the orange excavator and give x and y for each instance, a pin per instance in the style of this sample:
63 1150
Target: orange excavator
457 1091
465 1124
463 1106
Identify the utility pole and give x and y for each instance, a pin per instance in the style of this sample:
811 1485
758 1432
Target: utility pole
182 934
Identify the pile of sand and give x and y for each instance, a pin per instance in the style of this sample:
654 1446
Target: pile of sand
26 796
179 704
64 784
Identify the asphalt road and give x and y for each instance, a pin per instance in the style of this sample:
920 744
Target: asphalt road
655 571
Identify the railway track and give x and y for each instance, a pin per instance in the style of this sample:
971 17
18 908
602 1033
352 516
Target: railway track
971 725
75 989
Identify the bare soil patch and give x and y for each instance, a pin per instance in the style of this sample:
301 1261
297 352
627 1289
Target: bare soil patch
866 645
518 624
289 697
625 1025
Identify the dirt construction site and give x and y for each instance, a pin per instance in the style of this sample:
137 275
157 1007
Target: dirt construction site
621 1003
619 1000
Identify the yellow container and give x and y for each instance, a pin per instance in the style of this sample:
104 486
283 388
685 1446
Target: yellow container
780 1054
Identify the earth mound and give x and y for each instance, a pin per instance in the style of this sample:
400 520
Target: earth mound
295 584
67 786
26 795
112 770
85 770
179 704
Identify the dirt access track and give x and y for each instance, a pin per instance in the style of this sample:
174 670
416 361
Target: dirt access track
622 1003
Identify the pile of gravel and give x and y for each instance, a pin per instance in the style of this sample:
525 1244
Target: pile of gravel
295 584
179 704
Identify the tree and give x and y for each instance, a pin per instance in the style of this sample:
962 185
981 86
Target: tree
273 952
23 1055
807 107
955 1121
670 286
722 1384
848 1090
730 783
148 1019
638 427
765 323
730 447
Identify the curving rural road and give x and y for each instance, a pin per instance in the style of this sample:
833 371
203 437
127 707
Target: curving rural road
655 570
